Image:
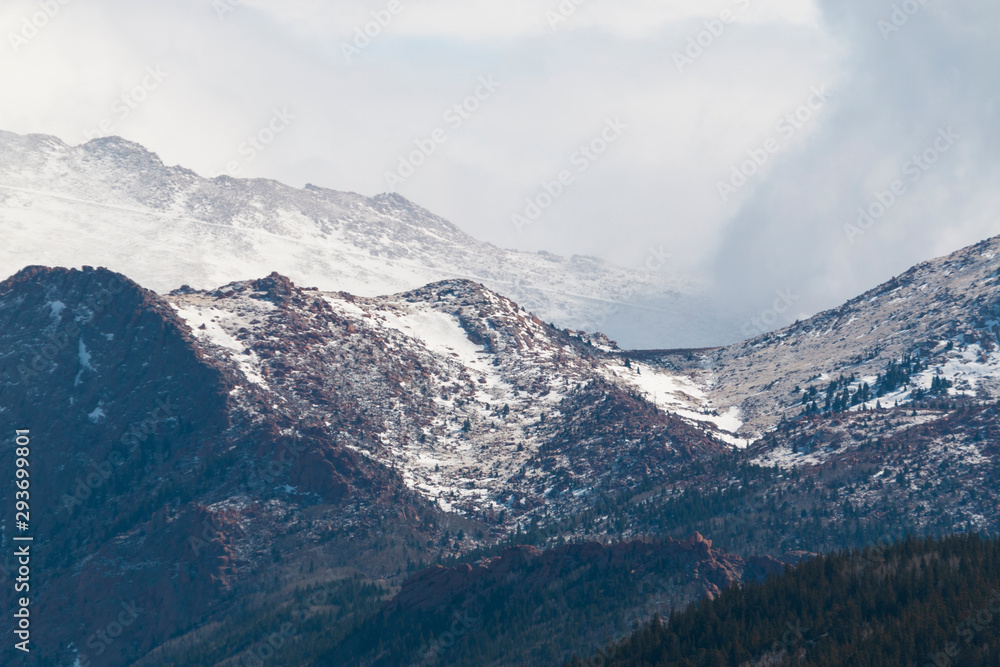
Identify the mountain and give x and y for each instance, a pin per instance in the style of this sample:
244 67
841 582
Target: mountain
167 226
191 442
867 422
460 390
939 319
159 485
264 457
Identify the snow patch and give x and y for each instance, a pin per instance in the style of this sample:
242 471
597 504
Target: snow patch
214 332
197 318
84 355
679 395
440 333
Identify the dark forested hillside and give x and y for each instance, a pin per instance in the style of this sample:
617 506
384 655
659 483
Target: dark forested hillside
919 602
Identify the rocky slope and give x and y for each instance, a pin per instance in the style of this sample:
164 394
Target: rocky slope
194 440
481 407
712 570
944 314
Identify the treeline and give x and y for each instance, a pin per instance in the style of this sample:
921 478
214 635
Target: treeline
919 602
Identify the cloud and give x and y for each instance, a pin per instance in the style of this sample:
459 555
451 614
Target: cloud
657 186
903 91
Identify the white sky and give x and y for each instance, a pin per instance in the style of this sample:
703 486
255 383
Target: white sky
656 186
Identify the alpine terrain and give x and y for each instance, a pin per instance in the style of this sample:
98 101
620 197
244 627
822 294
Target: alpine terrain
167 226
265 472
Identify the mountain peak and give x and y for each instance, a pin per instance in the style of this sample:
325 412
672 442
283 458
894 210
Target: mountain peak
85 279
121 150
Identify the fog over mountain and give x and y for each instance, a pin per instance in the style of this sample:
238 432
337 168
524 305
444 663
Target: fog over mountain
124 209
468 333
897 75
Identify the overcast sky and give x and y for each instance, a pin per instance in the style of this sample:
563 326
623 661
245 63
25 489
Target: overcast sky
833 98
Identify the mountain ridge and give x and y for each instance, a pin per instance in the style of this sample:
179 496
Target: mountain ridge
167 226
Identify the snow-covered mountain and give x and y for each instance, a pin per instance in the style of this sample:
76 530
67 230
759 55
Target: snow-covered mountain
112 203
210 436
205 444
190 434
480 406
933 329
